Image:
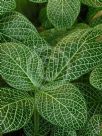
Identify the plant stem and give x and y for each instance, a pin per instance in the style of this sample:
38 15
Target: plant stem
36 123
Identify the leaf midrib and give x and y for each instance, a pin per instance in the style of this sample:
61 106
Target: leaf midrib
60 104
70 58
20 68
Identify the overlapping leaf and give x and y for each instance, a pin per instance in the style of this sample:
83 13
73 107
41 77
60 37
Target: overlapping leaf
96 77
63 132
20 67
94 126
16 108
93 98
7 6
93 3
14 27
75 55
63 13
62 105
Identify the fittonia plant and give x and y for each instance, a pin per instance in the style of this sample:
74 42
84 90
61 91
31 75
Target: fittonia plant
44 92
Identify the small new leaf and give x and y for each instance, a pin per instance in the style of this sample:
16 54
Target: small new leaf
16 108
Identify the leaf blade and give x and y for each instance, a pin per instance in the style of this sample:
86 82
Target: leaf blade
67 12
7 6
54 105
75 55
20 67
14 27
16 108
96 77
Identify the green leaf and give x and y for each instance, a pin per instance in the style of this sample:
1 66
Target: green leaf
93 98
63 13
75 55
16 108
93 3
43 130
96 77
7 6
63 132
94 16
62 105
21 68
14 27
94 126
39 1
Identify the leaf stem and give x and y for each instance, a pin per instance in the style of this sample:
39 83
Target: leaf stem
36 122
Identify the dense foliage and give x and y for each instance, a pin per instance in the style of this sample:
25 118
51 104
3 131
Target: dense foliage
51 67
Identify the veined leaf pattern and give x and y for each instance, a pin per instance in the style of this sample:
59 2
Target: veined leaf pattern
63 106
75 55
7 6
94 126
16 108
14 27
93 3
63 132
96 77
39 1
63 13
93 98
21 68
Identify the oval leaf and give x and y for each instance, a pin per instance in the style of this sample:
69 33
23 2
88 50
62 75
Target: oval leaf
21 68
63 13
7 6
75 55
16 108
17 28
96 77
63 106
